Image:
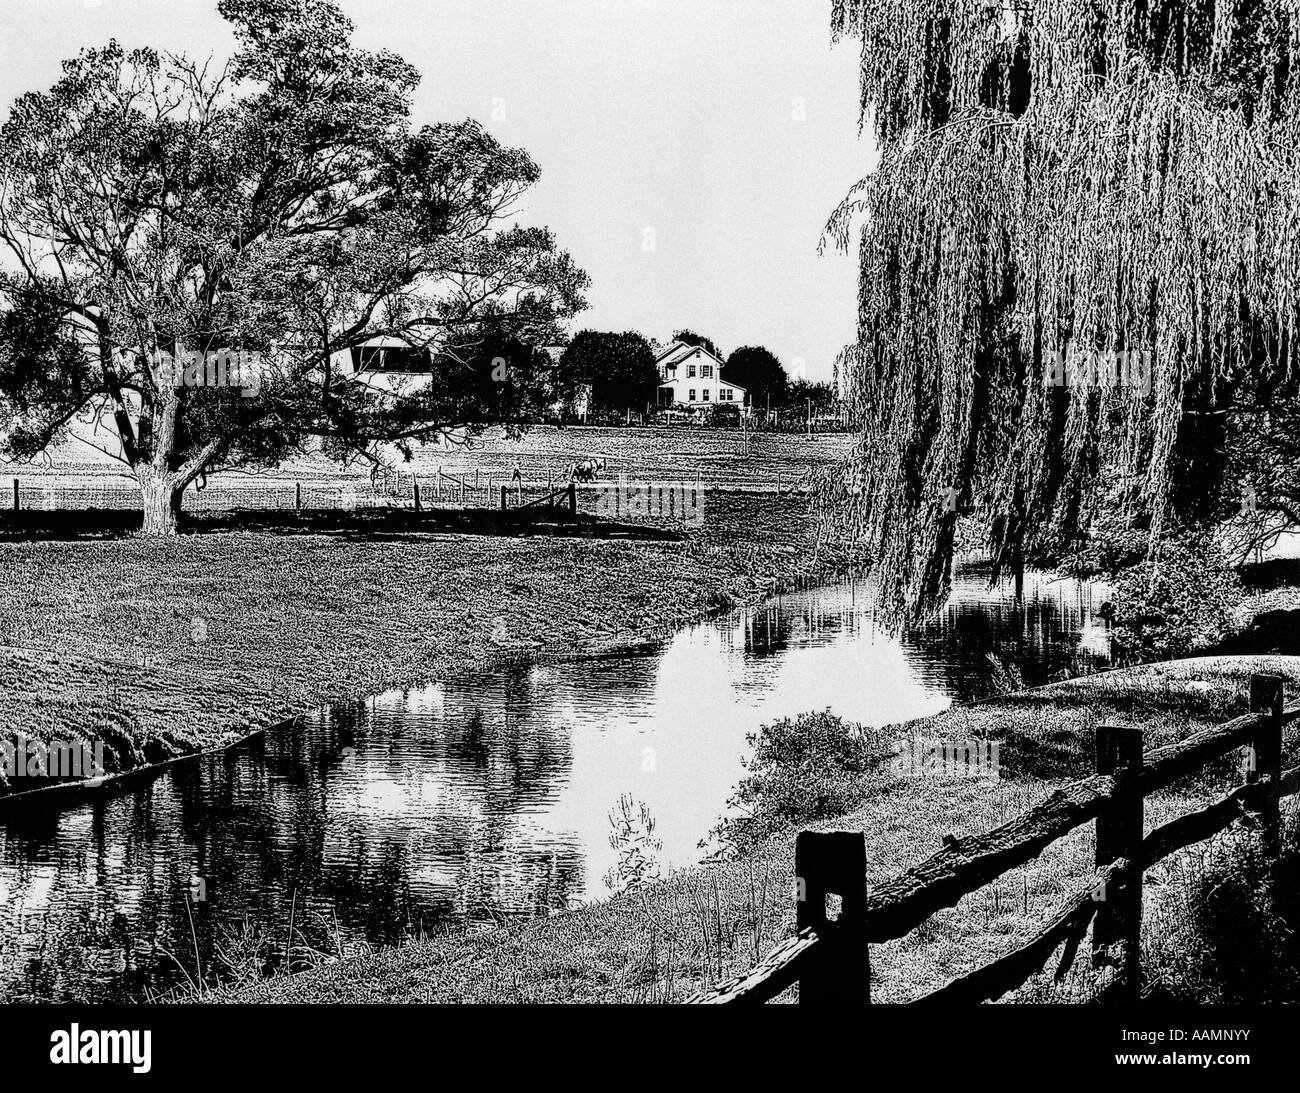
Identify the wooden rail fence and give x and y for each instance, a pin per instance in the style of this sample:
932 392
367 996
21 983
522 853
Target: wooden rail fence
394 491
829 956
476 487
569 494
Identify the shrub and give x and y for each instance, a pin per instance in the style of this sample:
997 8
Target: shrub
805 768
724 414
1178 604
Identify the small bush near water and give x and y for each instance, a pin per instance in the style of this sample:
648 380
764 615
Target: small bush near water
804 768
1178 604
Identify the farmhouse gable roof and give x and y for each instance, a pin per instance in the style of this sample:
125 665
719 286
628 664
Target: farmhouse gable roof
679 351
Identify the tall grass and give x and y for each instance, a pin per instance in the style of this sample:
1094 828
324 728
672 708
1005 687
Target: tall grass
1227 929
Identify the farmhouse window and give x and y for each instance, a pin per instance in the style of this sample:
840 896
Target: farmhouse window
707 371
692 398
690 370
706 394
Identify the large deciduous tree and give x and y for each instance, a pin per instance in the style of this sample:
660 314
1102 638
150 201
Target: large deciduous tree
619 368
281 207
509 378
1107 180
757 370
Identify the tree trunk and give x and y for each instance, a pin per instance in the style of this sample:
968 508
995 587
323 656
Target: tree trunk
162 505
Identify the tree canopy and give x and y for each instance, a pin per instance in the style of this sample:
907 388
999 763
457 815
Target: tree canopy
620 368
757 370
1062 180
689 337
281 206
502 378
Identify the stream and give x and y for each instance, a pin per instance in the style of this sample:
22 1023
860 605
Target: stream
464 804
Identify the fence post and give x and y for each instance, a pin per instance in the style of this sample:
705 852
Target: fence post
1265 755
15 495
1119 835
503 498
834 863
415 482
297 496
573 499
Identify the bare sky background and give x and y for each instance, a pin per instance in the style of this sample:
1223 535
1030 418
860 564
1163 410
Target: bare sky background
691 150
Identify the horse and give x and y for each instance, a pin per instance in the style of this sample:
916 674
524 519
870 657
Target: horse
586 470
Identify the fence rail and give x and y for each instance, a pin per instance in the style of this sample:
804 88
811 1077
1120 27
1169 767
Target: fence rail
829 958
270 495
569 495
404 491
473 488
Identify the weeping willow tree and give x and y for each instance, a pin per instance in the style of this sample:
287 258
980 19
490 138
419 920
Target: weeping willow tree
1061 180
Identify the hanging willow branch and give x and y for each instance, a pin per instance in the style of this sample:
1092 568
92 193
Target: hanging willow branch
1062 182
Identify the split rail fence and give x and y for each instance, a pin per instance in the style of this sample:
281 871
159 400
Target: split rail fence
829 957
394 491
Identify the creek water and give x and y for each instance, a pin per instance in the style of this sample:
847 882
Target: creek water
467 803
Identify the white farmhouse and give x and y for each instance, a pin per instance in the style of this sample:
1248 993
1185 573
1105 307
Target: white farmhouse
691 377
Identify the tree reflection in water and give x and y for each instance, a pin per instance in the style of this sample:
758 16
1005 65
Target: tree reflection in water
465 804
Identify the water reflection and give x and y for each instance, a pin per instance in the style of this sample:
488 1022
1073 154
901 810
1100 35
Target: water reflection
472 803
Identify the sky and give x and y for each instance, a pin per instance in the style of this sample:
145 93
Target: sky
691 150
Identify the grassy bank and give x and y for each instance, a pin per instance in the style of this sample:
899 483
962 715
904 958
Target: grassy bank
706 924
163 648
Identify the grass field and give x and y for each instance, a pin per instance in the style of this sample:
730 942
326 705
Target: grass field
159 648
702 925
164 647
97 638
78 477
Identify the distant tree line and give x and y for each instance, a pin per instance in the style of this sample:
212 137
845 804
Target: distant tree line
616 372
602 375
